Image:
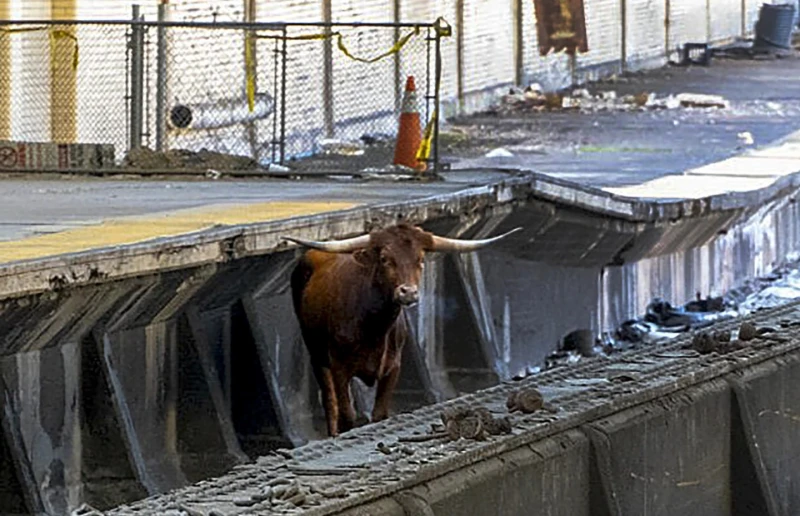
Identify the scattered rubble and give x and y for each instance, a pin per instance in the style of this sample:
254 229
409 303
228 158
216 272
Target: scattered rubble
663 321
526 401
145 158
723 341
534 99
499 153
331 146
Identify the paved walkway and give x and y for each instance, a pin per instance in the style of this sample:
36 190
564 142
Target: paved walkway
671 154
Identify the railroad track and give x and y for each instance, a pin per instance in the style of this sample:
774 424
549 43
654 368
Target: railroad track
328 476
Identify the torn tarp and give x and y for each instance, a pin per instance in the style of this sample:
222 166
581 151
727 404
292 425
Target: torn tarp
561 25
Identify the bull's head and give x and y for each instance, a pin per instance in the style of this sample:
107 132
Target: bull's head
397 254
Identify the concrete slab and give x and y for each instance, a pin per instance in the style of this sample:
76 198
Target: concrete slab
603 148
749 166
690 187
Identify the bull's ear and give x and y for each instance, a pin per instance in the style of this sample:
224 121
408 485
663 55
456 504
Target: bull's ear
361 256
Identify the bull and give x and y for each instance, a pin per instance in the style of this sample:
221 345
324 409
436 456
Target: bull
347 296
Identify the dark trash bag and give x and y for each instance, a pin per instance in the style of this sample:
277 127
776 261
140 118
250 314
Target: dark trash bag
774 25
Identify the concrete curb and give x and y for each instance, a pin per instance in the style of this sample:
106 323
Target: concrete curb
226 243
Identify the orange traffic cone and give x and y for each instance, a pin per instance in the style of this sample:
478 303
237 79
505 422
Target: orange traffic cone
409 134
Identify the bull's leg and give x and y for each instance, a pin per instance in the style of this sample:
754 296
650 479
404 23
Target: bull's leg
347 414
383 394
329 402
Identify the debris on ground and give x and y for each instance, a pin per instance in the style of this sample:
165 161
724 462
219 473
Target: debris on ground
499 153
662 321
528 401
746 137
698 100
581 99
336 147
724 341
473 423
663 314
180 159
718 341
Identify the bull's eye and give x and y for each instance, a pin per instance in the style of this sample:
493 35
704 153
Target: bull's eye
385 260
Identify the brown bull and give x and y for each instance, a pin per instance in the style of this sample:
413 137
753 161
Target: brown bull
348 295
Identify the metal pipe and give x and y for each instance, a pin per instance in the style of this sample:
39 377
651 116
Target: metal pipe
137 79
398 77
437 100
284 57
5 75
460 53
275 26
161 80
519 44
624 35
63 74
327 70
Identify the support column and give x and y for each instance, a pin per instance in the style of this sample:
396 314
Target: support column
5 74
63 74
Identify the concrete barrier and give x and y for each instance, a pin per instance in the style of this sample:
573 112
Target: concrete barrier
184 353
657 431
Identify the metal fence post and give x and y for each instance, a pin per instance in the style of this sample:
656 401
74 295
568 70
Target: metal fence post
284 57
161 80
327 69
137 79
437 97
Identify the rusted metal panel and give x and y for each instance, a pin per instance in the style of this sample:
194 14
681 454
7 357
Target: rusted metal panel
551 71
561 25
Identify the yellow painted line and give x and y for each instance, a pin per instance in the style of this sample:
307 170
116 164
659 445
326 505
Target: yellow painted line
132 230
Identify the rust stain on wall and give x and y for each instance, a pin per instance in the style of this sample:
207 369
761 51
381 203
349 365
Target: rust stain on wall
561 25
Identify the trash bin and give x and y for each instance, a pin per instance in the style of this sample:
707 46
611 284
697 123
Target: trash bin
774 25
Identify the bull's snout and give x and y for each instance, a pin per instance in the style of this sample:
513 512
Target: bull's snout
406 294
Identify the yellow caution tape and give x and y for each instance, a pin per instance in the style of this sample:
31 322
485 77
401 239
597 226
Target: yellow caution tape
55 34
250 71
424 151
250 65
340 43
442 28
395 48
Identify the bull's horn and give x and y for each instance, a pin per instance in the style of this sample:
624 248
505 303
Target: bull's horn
465 246
333 246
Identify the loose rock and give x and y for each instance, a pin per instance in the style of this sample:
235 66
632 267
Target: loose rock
526 401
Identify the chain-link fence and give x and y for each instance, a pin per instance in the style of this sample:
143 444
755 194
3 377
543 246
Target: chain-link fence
311 97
